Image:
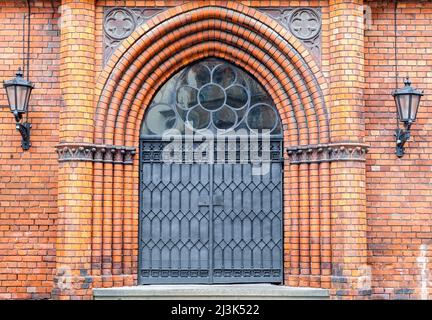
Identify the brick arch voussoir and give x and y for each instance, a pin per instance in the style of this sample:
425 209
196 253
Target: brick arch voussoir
108 83
184 58
131 95
139 65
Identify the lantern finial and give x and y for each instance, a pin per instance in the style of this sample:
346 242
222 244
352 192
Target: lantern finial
19 73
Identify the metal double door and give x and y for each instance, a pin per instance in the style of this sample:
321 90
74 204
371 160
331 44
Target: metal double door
209 223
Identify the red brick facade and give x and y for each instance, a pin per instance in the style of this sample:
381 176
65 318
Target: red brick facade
358 224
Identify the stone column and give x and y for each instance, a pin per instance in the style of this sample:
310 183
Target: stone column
73 274
350 276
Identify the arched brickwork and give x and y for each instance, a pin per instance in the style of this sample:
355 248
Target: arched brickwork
190 32
150 56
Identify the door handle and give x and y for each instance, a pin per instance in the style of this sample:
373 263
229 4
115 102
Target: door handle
204 201
218 200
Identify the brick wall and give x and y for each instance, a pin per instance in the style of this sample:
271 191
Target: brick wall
399 191
28 180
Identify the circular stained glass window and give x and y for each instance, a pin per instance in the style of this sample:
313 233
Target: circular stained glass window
214 95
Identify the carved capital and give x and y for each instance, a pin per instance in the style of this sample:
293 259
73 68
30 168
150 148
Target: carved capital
95 153
327 153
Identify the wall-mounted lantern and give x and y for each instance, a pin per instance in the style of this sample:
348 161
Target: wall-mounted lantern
407 103
407 99
18 91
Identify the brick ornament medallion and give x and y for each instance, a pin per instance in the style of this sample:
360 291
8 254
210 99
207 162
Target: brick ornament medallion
305 23
120 22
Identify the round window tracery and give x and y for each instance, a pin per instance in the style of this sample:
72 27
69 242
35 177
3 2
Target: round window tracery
211 95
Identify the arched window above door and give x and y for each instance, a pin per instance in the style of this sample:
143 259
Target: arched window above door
212 95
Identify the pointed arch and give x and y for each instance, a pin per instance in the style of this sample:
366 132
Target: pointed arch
187 33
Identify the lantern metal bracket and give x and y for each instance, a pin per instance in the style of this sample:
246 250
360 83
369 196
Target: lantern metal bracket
24 130
402 136
18 116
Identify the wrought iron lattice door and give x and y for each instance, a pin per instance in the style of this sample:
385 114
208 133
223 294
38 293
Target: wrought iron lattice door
210 221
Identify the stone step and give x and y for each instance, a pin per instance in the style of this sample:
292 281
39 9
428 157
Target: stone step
210 292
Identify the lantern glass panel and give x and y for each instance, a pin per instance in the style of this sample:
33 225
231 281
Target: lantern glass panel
22 98
414 106
404 103
10 91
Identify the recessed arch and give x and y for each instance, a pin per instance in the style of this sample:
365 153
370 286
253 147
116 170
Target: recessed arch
162 47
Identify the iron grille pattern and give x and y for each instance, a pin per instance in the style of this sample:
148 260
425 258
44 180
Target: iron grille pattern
209 223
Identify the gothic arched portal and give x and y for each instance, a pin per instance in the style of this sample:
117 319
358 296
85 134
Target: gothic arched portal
211 180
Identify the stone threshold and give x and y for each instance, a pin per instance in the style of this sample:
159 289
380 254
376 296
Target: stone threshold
211 292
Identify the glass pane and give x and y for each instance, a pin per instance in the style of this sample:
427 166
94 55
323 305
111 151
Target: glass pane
21 98
198 118
187 97
11 97
237 97
404 107
159 119
224 75
225 118
211 94
262 117
414 106
198 75
212 97
29 91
